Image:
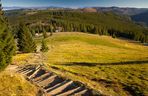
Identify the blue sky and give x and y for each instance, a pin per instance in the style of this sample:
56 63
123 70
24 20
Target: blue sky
76 3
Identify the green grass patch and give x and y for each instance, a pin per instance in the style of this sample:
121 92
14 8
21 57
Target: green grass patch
103 63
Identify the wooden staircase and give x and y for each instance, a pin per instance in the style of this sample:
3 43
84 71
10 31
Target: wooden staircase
54 85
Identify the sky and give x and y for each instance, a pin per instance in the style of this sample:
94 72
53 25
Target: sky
76 3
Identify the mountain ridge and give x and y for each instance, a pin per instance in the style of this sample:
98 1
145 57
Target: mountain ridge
142 17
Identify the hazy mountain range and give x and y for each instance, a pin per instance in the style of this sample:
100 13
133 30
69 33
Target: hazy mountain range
39 8
142 17
11 8
136 14
118 10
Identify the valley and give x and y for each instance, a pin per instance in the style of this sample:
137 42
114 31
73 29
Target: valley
60 48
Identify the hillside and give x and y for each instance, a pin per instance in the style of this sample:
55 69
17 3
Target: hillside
96 57
16 85
101 23
143 17
67 48
122 11
111 66
89 10
137 14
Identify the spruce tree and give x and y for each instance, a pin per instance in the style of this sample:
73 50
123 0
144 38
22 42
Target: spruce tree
7 44
1 12
51 30
44 47
26 43
45 33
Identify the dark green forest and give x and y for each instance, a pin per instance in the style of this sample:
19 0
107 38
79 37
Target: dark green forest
142 18
7 43
103 23
25 39
44 21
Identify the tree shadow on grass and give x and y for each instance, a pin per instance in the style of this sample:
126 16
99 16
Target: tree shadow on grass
103 64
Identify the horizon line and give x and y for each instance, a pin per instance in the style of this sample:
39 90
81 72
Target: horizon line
75 7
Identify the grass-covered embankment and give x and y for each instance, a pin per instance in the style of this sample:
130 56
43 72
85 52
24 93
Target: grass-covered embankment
113 66
13 84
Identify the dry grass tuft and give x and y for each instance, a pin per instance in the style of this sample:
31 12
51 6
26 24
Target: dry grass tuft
15 85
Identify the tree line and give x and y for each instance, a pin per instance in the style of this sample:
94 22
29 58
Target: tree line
23 41
99 23
96 23
7 43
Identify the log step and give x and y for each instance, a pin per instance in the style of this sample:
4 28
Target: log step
69 92
60 89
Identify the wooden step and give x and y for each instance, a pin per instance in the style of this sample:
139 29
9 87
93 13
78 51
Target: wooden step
60 89
54 82
56 86
69 92
41 77
25 73
39 73
44 78
35 72
47 81
81 93
22 70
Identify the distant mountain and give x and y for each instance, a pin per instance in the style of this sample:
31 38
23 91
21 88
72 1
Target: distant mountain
12 8
137 14
142 17
117 10
33 8
124 11
89 10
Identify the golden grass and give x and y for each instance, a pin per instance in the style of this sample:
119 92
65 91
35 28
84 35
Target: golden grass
15 85
108 50
21 58
78 56
27 58
96 61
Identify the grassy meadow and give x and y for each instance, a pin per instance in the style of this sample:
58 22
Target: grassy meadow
111 66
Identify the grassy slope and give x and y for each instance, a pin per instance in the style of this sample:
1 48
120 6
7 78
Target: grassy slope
103 20
15 85
21 58
98 62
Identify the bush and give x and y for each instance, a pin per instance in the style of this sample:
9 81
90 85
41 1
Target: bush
44 47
